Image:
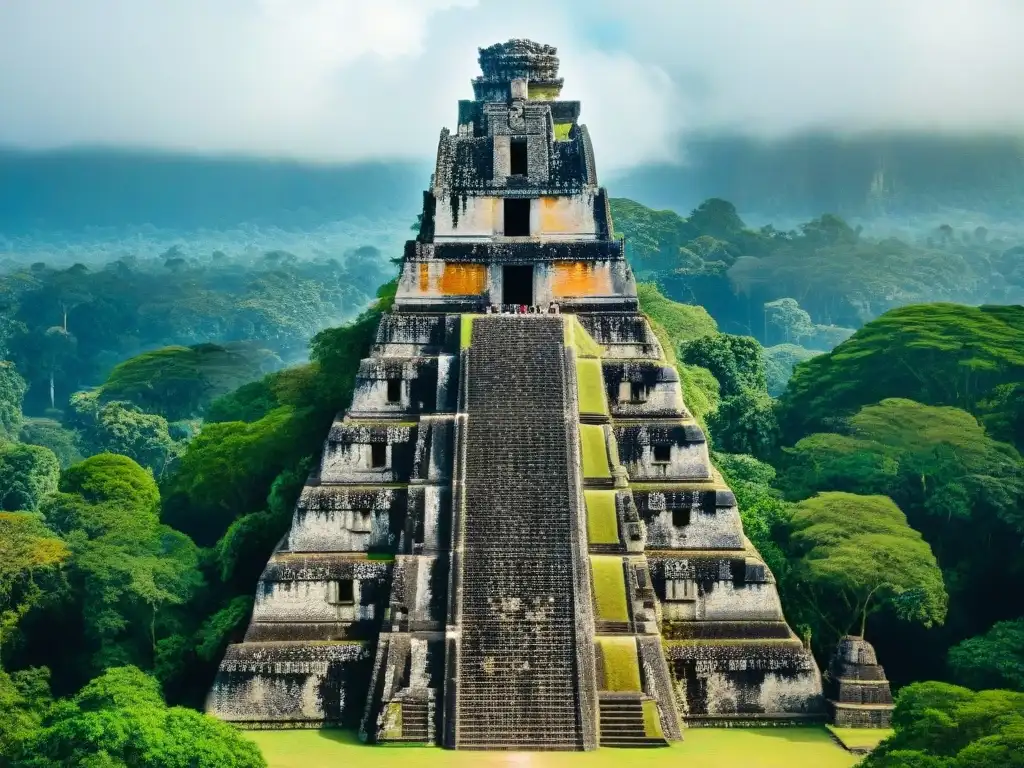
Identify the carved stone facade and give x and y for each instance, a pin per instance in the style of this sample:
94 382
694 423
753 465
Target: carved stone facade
858 693
515 538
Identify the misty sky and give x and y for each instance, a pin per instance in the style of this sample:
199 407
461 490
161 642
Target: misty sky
353 79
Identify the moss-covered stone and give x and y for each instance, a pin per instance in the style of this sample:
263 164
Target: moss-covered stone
595 452
621 669
602 521
591 387
609 588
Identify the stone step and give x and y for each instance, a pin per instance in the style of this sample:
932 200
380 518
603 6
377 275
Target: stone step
516 685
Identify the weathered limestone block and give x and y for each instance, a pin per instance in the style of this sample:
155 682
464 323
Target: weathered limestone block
643 389
413 335
663 451
332 518
291 684
318 597
623 335
858 692
368 453
689 519
744 683
399 386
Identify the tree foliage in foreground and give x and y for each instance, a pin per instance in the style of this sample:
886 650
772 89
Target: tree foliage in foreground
945 726
120 720
992 660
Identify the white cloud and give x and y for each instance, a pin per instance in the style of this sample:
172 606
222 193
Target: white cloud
346 79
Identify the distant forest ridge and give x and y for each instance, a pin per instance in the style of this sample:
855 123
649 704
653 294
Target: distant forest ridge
861 177
867 177
79 188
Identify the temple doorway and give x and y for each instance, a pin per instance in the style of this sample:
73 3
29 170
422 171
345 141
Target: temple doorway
517 284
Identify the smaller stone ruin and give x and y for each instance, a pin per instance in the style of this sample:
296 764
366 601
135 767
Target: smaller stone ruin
855 685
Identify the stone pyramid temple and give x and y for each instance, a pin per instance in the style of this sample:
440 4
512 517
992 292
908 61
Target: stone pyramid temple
515 538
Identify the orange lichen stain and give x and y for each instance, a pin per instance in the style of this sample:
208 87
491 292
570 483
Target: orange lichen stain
424 278
555 216
462 279
580 278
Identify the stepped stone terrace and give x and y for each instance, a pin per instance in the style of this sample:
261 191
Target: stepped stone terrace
515 538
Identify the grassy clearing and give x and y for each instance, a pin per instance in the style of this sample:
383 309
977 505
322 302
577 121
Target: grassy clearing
590 385
595 453
602 522
860 739
621 668
609 587
701 748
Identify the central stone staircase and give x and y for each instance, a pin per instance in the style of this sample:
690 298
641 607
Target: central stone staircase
518 683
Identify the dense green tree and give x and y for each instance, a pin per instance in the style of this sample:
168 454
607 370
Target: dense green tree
936 354
779 362
786 315
12 392
945 726
121 427
49 433
745 423
961 486
735 361
744 419
179 382
27 474
120 719
1002 413
127 570
29 556
856 555
73 326
24 700
992 660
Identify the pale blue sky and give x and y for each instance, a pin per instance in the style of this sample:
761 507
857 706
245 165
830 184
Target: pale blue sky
346 79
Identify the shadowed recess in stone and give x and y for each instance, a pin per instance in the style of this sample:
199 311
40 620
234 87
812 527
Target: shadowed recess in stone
595 454
619 661
602 523
591 387
609 588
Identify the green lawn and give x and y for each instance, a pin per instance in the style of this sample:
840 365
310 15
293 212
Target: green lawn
701 748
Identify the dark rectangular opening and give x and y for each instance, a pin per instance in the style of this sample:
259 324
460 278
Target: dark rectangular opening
662 453
378 455
517 217
681 517
517 157
346 592
394 390
517 284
